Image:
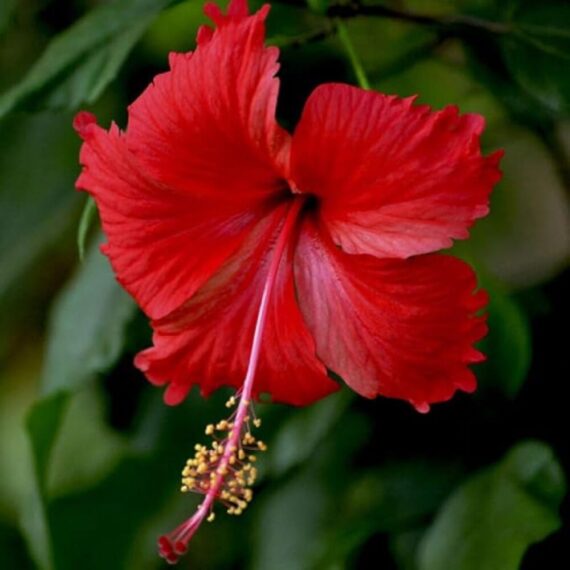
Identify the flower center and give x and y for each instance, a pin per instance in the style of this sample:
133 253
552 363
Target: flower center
225 472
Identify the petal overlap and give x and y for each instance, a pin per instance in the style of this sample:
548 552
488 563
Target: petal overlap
398 328
200 163
208 341
394 179
208 125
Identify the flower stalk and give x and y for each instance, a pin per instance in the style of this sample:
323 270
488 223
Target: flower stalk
225 471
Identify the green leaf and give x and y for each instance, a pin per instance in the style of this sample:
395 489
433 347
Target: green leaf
16 393
508 346
526 238
392 498
139 496
404 547
87 326
299 436
71 449
87 449
35 529
12 550
492 519
538 51
438 83
399 494
79 63
290 523
318 6
38 163
389 48
174 30
43 424
6 8
87 216
485 60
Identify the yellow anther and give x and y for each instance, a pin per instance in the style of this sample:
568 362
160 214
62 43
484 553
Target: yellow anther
229 470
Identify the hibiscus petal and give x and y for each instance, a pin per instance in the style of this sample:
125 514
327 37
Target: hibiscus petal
400 328
162 242
394 179
208 125
208 341
199 164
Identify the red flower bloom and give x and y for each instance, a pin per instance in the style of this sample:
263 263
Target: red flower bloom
264 258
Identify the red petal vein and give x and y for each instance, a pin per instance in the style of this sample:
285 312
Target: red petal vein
397 328
208 341
394 179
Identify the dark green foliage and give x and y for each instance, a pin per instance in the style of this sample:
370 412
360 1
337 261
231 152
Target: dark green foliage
90 456
79 63
490 520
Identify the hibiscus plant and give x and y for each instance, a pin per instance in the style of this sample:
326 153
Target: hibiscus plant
284 230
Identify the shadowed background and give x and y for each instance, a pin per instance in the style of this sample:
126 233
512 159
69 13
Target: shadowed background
89 455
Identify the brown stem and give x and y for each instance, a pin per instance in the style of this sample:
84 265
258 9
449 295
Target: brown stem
456 22
452 21
303 39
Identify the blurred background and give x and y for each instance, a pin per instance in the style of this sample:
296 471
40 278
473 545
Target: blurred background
89 455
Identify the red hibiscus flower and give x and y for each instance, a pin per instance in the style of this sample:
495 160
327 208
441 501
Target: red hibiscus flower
264 259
